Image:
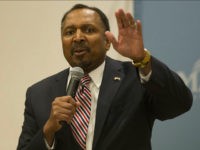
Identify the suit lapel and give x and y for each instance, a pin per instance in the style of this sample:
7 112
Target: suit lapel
112 77
59 88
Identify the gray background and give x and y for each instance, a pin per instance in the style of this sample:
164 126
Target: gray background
171 31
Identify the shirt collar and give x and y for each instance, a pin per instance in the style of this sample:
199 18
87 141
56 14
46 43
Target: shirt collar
97 74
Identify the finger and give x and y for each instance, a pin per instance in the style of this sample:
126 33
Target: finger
112 39
78 104
63 106
131 20
121 19
71 100
68 99
69 114
62 99
64 117
139 27
57 110
65 101
119 22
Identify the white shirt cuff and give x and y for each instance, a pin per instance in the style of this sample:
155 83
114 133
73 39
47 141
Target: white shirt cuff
143 78
49 147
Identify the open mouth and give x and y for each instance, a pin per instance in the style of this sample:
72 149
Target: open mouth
80 52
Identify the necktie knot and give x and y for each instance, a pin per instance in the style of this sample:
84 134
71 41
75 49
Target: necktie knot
85 80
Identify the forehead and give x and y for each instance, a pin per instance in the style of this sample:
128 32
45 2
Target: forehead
82 16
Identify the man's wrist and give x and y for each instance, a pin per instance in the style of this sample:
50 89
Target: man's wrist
145 61
48 134
145 71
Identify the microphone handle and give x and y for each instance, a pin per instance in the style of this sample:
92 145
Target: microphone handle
73 86
71 91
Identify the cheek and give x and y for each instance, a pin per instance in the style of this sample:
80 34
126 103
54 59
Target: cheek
66 44
66 54
66 48
98 42
99 48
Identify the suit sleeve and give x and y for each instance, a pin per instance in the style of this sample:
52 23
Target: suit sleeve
168 96
31 137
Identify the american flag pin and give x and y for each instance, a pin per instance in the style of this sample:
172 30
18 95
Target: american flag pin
117 78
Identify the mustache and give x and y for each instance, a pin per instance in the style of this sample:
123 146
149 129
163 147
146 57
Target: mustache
79 47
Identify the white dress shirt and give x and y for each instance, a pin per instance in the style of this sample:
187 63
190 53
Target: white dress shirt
96 76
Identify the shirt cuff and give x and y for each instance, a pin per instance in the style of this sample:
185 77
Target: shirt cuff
143 78
49 147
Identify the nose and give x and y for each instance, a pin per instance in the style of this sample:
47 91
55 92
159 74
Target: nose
79 36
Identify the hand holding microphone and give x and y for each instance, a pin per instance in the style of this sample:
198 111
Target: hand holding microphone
64 107
76 75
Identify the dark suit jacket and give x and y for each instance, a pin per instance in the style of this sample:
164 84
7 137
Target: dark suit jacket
125 113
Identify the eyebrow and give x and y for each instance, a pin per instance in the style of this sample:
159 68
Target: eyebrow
85 24
81 26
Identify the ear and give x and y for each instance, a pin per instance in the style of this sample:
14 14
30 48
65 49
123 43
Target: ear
107 43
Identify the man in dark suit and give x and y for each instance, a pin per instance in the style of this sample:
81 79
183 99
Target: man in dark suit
127 97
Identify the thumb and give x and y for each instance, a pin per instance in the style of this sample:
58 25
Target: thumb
78 104
111 38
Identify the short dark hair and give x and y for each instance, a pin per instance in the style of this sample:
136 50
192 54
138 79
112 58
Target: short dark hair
103 17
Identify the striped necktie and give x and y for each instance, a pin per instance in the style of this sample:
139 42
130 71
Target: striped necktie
80 121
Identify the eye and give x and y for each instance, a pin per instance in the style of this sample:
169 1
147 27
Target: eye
69 32
89 29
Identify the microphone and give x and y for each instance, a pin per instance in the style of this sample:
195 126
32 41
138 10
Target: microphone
76 74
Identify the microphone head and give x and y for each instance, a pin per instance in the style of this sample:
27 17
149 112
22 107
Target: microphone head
77 72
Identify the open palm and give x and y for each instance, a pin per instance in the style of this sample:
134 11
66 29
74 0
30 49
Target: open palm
130 40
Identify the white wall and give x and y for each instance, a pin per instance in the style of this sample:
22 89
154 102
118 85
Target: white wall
30 50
